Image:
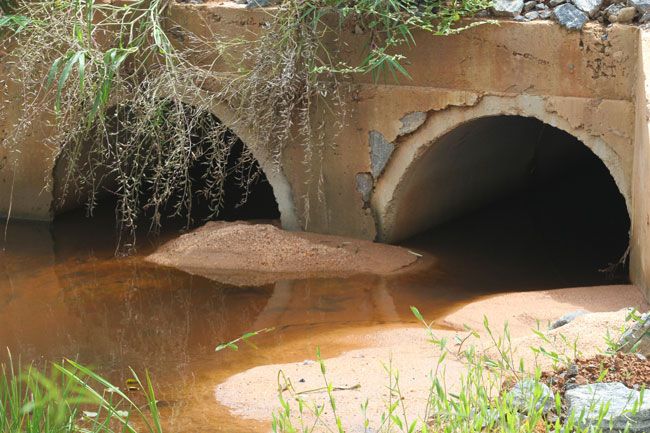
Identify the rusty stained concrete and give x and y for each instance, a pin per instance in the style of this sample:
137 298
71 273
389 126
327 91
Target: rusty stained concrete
589 84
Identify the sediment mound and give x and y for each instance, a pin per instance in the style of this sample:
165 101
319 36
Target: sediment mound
241 253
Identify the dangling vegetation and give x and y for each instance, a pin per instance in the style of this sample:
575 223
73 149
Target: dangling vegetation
131 112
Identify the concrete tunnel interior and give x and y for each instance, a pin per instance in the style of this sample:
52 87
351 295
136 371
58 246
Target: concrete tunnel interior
490 177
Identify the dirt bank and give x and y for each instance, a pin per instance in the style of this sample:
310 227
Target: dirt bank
361 374
241 253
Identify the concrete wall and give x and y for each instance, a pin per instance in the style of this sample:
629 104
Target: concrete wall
640 236
584 83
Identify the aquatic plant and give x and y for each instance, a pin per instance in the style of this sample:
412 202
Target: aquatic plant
130 111
68 397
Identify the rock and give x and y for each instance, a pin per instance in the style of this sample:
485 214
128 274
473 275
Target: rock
571 371
580 380
570 17
618 13
554 3
508 8
529 5
525 391
567 318
611 12
520 18
531 16
637 337
411 122
643 6
259 3
545 14
380 152
589 399
590 7
541 7
569 385
626 15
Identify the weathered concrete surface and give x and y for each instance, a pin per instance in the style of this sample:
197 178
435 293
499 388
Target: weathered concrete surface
585 83
640 233
25 176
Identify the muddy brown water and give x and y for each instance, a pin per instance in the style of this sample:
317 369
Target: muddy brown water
63 293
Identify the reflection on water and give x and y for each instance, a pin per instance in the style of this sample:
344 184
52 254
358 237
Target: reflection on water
64 294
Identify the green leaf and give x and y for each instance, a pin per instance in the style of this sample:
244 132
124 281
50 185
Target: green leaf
417 313
67 69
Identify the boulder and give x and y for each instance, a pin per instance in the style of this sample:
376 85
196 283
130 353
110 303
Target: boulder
590 7
525 391
642 6
585 403
626 15
619 13
529 5
611 12
545 14
637 337
507 8
569 16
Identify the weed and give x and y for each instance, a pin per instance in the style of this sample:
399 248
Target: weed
131 112
480 402
70 398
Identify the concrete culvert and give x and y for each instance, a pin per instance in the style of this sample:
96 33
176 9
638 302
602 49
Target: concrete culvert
229 167
561 186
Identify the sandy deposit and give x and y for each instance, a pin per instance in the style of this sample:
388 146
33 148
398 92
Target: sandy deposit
241 253
523 311
361 375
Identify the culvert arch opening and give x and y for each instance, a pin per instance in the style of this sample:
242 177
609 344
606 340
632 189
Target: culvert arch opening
511 186
174 176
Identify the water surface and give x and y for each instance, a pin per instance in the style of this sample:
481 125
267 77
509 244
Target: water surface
64 293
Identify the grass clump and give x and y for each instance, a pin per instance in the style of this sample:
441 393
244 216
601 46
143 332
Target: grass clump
483 400
70 398
130 110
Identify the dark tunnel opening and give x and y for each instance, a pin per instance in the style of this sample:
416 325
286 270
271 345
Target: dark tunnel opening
545 212
247 193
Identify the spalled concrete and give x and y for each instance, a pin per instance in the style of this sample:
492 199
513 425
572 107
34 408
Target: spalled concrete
398 136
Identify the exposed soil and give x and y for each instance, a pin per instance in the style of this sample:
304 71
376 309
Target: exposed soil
242 253
631 370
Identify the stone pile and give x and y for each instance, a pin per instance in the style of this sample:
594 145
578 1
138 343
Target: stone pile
605 390
573 14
